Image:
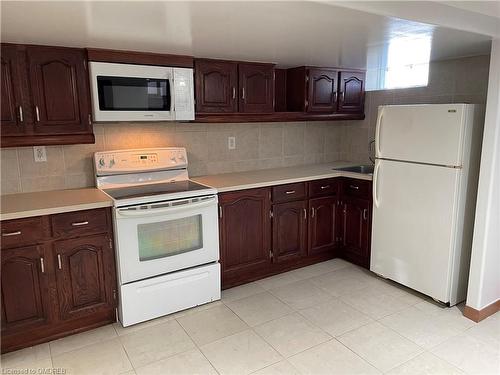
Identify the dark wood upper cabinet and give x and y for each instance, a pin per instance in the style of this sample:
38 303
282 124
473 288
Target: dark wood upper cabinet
351 92
256 82
322 224
85 275
25 296
60 91
45 96
289 230
322 90
13 115
245 233
216 86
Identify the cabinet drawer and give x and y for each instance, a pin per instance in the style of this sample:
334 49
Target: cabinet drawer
324 187
357 188
80 223
289 192
26 231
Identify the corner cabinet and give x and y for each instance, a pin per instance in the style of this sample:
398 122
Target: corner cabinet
45 96
54 282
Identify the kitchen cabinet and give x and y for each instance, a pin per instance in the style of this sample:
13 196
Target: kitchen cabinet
356 230
322 224
25 285
256 82
47 98
245 233
83 266
322 90
55 282
351 92
216 86
289 230
233 87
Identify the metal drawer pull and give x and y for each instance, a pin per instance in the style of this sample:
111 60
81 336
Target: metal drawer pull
234 92
80 223
365 214
21 117
37 111
305 214
312 212
354 187
59 263
42 266
11 234
243 93
325 187
290 192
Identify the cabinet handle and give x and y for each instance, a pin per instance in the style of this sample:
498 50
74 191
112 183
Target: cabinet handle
290 192
21 116
42 265
10 234
305 214
59 263
80 223
243 93
365 214
234 92
312 212
37 112
354 187
325 187
342 96
335 96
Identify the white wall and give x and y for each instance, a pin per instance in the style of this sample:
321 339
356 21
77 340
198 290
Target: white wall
484 277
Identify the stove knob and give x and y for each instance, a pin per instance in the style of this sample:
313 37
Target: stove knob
173 159
111 163
102 163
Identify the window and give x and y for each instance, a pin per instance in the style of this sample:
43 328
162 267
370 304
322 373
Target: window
403 62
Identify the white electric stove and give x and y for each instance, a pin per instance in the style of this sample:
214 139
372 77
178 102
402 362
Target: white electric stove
166 232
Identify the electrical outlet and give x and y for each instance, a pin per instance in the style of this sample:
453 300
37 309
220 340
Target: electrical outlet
40 153
231 143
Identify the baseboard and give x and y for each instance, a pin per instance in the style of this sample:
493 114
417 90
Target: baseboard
478 315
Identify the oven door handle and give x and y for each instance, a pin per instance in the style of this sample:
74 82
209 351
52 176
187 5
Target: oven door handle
124 212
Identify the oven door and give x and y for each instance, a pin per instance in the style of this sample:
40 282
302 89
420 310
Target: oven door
164 237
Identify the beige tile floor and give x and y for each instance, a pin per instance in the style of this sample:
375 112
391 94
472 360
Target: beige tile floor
329 318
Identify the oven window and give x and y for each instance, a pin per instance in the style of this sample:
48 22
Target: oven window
133 94
168 238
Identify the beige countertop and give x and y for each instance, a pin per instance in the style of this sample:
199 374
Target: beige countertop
277 176
16 206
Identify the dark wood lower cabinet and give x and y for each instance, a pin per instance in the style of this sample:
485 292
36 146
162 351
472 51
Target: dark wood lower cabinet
289 230
356 227
322 224
57 285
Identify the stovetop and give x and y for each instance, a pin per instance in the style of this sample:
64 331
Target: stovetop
156 189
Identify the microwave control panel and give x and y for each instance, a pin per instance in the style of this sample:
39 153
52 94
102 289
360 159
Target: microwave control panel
139 160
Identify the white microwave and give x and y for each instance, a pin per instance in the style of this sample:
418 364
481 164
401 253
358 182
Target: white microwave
126 92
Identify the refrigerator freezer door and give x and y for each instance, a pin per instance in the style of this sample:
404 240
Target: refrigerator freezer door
428 133
413 229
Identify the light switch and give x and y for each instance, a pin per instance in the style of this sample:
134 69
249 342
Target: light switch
40 153
231 143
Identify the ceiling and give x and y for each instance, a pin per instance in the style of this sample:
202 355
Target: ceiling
287 33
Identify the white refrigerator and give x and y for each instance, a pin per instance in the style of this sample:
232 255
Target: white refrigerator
424 196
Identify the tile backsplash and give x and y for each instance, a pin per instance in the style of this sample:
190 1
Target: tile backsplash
258 145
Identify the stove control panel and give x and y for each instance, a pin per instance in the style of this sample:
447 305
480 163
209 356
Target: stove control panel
139 160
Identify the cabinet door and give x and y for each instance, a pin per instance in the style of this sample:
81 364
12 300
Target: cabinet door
352 92
322 224
322 90
85 275
60 91
245 233
13 110
25 289
356 230
216 86
256 83
289 230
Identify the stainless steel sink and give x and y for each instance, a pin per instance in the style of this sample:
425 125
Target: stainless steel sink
365 169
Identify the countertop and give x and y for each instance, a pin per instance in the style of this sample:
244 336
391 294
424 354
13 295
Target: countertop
277 176
16 206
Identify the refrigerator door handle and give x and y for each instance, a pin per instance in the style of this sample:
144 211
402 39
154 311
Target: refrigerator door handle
375 184
377 133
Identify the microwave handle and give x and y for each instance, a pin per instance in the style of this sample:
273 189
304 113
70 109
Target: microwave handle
124 213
